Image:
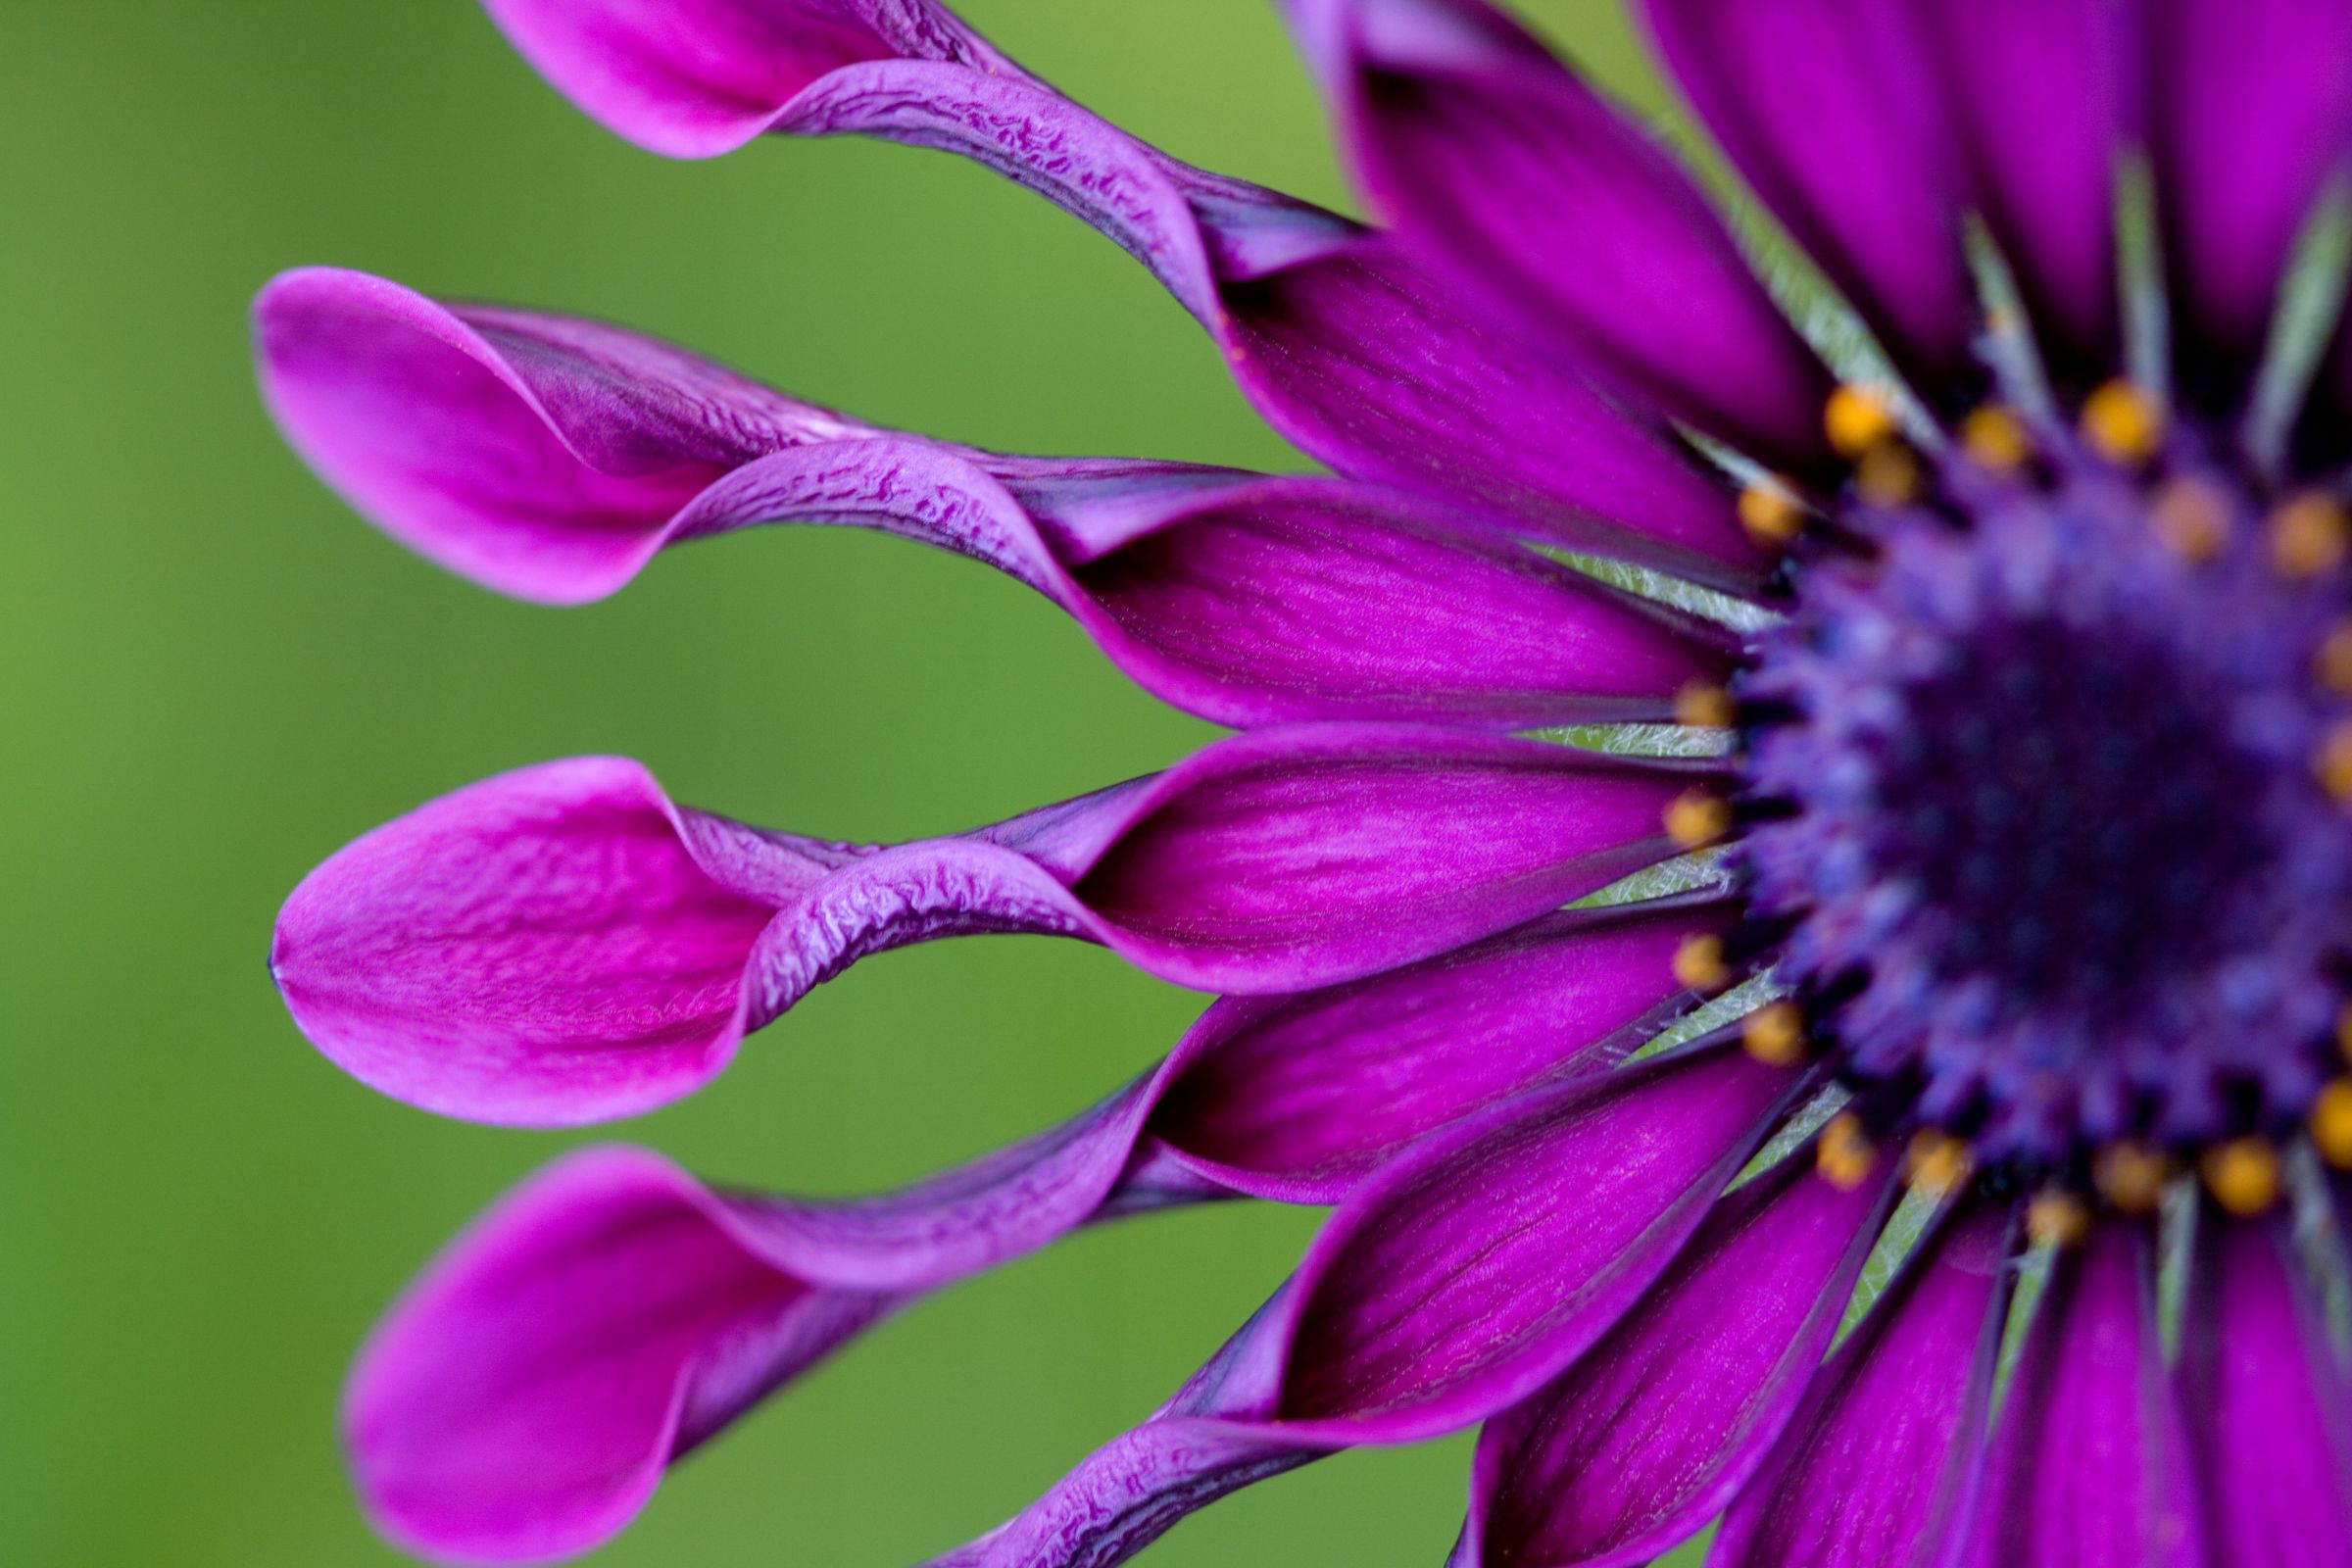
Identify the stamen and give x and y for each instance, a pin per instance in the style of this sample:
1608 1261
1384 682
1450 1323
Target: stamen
2309 535
1704 703
1888 474
1775 1035
2191 517
1698 963
1935 1162
1698 817
2331 1124
2243 1175
2132 1175
2333 764
1995 438
2057 1218
1771 515
1857 420
2123 423
1844 1154
2332 663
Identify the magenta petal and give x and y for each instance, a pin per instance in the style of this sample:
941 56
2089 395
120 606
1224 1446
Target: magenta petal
1832 110
2091 1469
520 1402
1883 1458
2266 1400
1345 347
1649 1435
2250 112
1514 182
2041 91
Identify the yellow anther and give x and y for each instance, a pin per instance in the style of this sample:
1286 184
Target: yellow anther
1698 963
2332 665
2243 1175
2133 1176
1844 1154
1935 1162
1857 418
2331 1124
2309 534
2191 517
1995 438
2123 423
2332 764
1775 1035
1887 476
1703 703
1698 817
2057 1218
1771 515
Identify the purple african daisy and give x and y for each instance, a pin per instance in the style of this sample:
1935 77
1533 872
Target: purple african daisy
1723 793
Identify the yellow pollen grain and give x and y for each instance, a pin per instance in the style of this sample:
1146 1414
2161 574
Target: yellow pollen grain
2332 765
1857 418
1775 1035
2057 1218
1935 1163
2132 1175
2243 1175
2310 535
1704 703
2123 423
1995 438
2331 1124
2191 518
1698 963
1698 817
1771 515
1844 1154
2332 665
1887 476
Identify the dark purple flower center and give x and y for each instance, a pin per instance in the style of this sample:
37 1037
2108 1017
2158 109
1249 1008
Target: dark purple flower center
2043 810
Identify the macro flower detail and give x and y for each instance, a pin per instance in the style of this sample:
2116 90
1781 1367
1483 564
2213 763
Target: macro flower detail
1787 870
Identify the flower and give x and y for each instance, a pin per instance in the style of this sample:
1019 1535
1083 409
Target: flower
1965 863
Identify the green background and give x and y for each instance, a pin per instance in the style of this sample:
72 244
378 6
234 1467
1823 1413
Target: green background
212 675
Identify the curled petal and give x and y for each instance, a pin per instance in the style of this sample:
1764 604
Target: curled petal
562 944
1649 1435
1832 110
552 459
2266 1403
1346 347
1885 1458
1515 182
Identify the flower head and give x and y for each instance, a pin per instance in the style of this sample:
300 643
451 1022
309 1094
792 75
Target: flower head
1971 845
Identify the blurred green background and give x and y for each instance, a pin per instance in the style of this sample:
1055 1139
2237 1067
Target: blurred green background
211 676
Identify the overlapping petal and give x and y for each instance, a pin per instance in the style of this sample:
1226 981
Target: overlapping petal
563 944
1514 182
1647 1436
513 1406
1452 1283
1833 111
551 457
1346 347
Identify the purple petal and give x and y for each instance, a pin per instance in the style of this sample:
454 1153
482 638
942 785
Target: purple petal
1516 184
2091 1469
1832 110
2266 1403
1885 1455
2040 93
562 944
1346 348
2250 111
520 1402
552 459
1650 1435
